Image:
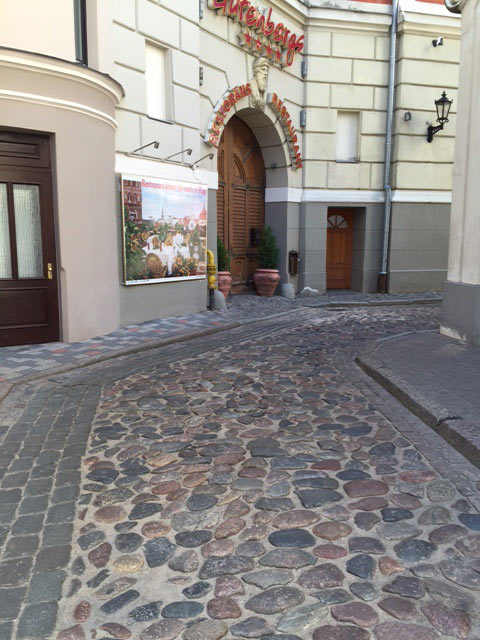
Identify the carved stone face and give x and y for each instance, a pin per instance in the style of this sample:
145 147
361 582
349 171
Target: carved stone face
261 76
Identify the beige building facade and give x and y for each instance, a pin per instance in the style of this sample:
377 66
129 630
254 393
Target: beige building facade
461 303
185 92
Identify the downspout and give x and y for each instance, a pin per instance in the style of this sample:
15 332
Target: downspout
387 212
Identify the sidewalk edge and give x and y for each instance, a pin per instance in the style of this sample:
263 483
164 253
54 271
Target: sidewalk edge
461 434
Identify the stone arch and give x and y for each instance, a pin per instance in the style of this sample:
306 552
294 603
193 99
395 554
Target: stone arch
272 142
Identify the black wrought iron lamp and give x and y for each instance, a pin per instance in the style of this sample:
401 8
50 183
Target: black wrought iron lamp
442 105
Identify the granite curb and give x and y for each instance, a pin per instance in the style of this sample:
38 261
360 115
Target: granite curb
374 303
461 434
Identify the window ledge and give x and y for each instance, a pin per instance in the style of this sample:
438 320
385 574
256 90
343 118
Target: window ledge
160 120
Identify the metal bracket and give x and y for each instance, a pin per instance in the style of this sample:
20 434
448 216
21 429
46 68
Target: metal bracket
431 131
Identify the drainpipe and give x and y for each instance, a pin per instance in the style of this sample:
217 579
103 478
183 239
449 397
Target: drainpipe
387 212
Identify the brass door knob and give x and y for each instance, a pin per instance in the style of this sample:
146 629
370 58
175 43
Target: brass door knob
50 271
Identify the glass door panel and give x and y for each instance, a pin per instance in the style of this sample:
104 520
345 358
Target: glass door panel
5 256
28 230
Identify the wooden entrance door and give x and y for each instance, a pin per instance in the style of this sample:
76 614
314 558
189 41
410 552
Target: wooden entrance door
240 199
28 280
339 248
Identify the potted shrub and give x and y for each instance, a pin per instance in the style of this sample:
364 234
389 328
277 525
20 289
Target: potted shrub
224 277
267 277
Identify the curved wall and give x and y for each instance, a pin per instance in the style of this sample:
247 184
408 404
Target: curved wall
77 107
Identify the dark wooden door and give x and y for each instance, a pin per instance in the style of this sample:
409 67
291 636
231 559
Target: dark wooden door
28 277
240 199
339 248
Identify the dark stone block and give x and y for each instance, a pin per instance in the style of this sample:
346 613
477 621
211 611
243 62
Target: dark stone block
37 621
22 546
46 586
58 534
11 602
51 558
15 572
36 504
6 631
65 494
28 524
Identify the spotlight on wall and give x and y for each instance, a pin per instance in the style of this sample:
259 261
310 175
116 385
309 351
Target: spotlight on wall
155 143
209 155
438 42
303 118
304 69
187 151
442 105
407 116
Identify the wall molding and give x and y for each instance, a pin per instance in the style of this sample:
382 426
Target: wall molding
423 197
349 196
57 103
48 65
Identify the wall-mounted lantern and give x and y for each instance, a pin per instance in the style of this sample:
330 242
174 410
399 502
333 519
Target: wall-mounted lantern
442 105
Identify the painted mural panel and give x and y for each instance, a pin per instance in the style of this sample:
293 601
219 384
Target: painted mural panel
165 230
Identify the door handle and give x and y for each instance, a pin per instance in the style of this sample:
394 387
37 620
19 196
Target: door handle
50 271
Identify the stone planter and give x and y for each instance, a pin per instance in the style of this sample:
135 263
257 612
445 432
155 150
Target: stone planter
224 282
266 281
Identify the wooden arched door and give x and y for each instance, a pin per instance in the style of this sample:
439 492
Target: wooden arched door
240 199
339 248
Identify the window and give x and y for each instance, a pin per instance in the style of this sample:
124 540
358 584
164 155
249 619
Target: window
80 18
155 72
347 136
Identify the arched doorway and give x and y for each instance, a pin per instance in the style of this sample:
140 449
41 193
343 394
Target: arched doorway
240 199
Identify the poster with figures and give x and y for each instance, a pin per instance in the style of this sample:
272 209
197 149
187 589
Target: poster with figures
165 230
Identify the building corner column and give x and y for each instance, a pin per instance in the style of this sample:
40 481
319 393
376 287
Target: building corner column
461 302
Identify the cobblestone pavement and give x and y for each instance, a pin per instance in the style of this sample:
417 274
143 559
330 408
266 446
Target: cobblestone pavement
29 361
252 484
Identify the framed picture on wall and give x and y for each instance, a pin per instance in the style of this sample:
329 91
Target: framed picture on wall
164 230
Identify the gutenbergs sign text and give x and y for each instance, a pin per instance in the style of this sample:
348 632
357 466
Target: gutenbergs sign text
263 35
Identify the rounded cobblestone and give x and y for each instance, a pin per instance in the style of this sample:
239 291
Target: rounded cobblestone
269 489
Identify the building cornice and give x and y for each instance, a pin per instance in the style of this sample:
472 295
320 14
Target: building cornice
354 196
423 24
48 65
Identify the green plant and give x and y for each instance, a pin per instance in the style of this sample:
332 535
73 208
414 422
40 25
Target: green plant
223 256
268 252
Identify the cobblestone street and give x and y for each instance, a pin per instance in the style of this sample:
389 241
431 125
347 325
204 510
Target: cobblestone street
251 484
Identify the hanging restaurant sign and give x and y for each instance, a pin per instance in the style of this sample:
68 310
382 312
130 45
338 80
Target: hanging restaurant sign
260 33
286 121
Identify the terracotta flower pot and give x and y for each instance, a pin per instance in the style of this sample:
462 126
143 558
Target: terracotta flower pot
224 282
266 281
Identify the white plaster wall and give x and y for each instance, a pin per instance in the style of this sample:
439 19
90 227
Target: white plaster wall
42 27
464 263
83 183
423 72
